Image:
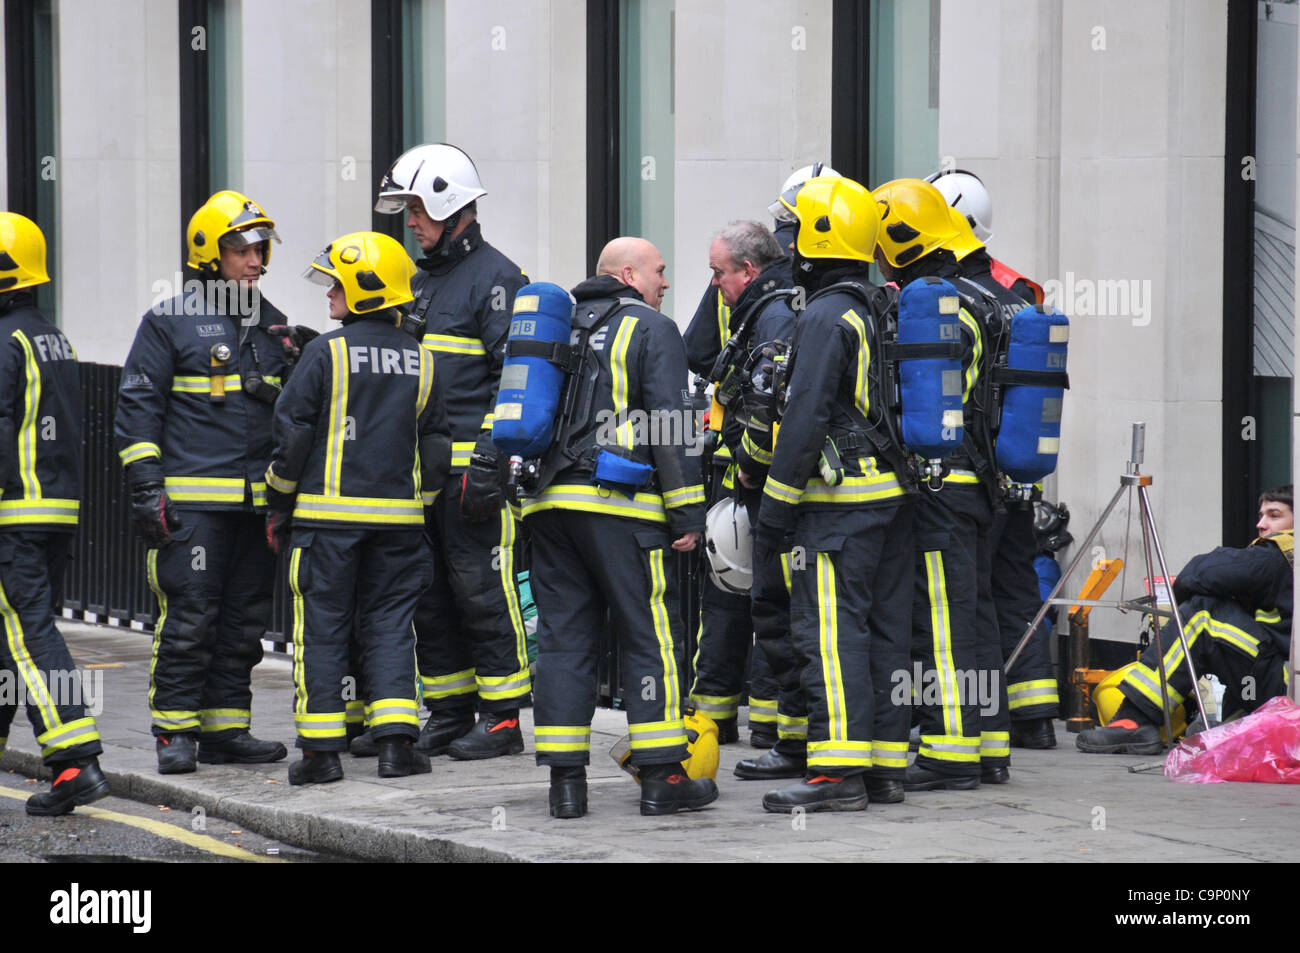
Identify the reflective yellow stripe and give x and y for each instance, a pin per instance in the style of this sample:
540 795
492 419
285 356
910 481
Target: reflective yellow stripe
224 719
1040 691
861 394
356 712
447 686
995 744
421 401
785 571
839 753
338 418
790 728
718 706
279 484
359 509
1268 616
936 589
13 512
780 492
684 496
956 748
828 643
151 573
174 721
855 489
27 428
299 672
592 499
460 453
454 344
393 711
619 386
664 635
657 734
762 710
724 320
509 582
502 687
37 692
562 737
139 451
205 489
756 453
331 724
202 385
973 370
259 493
889 754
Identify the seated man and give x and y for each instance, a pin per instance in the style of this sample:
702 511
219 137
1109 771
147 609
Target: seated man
1236 612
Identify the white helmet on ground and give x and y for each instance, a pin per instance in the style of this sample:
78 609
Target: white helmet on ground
798 177
730 547
439 175
966 193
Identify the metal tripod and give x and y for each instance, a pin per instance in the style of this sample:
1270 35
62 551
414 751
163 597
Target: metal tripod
1130 478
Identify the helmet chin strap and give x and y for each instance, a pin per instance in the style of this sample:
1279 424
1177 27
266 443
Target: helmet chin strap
444 240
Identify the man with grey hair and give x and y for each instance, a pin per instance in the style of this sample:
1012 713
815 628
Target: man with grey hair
752 278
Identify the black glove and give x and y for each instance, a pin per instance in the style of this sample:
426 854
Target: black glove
480 489
293 338
278 524
771 538
154 514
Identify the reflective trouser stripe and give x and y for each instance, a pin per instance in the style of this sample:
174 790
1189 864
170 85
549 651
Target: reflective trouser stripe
839 754
224 719
791 729
331 724
1147 680
941 631
718 706
299 661
828 645
1268 616
657 734
509 586
79 732
995 744
355 712
889 754
37 691
498 688
664 636
563 737
447 686
393 711
173 721
762 711
1040 691
950 748
43 511
151 573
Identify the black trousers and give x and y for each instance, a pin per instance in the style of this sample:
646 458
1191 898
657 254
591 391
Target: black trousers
469 628
1031 683
213 581
850 608
585 564
770 608
355 588
35 659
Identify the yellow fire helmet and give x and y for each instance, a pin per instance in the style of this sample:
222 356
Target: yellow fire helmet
1107 697
373 269
701 747
837 218
230 219
915 219
22 253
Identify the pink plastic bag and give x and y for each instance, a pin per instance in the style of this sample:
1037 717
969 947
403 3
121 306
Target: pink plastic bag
1263 746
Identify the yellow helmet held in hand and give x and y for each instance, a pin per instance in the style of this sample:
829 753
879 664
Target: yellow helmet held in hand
915 219
22 253
230 219
837 218
373 269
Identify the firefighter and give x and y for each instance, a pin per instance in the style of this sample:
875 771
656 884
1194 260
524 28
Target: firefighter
1236 607
361 445
965 733
836 488
193 431
469 628
753 279
610 506
40 490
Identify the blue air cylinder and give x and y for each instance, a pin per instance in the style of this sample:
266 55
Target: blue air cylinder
532 381
931 387
1029 435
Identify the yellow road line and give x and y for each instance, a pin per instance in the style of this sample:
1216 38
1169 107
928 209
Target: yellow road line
162 829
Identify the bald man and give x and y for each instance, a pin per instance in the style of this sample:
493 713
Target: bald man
616 495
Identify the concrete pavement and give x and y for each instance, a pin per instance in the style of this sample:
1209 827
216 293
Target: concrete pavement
1060 805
